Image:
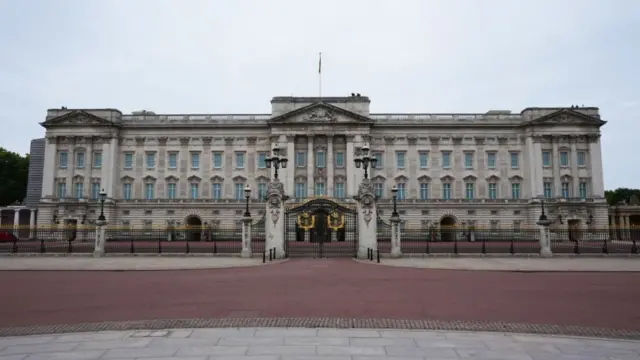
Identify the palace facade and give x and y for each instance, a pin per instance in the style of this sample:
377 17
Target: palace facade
485 170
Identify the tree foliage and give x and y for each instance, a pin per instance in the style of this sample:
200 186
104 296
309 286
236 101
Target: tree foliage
14 175
620 194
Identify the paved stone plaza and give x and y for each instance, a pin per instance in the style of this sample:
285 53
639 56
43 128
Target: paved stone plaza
311 344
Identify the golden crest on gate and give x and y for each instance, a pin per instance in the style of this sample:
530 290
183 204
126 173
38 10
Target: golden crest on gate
335 220
306 221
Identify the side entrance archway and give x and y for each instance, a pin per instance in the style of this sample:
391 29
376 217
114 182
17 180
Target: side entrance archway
448 228
194 227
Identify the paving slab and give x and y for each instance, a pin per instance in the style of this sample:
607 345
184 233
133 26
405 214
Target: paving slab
284 344
124 263
603 264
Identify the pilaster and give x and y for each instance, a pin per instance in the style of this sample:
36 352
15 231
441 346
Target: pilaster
291 166
557 186
575 176
595 157
330 165
310 166
351 170
49 168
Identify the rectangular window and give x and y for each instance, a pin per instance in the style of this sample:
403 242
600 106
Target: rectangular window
80 160
401 191
340 159
378 157
546 158
239 160
320 190
195 190
216 191
217 160
493 191
301 190
79 187
97 159
515 163
239 187
424 159
262 164
63 158
564 158
491 160
470 190
151 160
565 190
400 155
95 191
446 191
171 191
128 160
378 190
582 158
149 191
339 191
468 160
62 190
515 191
424 191
126 191
548 190
446 159
195 160
516 226
262 191
320 160
583 190
301 159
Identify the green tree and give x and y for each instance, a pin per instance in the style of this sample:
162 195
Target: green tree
620 194
14 175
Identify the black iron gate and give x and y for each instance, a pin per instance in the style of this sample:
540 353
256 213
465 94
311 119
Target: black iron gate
321 228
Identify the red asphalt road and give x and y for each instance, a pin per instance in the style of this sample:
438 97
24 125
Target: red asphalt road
321 288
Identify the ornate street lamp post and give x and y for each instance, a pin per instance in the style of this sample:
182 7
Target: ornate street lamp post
543 216
277 161
103 197
247 195
365 160
394 192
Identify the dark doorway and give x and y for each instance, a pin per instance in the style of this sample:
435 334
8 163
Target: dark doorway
574 227
448 228
72 229
299 233
194 228
320 232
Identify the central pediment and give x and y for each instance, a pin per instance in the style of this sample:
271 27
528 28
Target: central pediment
566 117
78 118
320 113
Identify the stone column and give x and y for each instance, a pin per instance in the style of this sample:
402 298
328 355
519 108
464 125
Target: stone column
351 170
595 162
50 167
291 166
246 237
32 223
330 166
310 166
16 222
274 218
532 168
100 239
575 175
557 186
413 163
88 167
539 191
625 229
71 168
545 241
396 249
367 213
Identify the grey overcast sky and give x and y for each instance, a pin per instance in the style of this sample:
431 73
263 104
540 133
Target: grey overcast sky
232 56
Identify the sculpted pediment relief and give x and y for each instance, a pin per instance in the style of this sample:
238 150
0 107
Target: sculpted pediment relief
320 113
77 118
566 117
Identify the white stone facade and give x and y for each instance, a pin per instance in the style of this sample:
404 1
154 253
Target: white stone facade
485 170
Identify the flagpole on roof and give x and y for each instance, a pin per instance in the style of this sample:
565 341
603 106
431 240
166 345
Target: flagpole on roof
320 75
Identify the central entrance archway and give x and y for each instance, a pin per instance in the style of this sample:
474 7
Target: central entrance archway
448 228
321 228
194 228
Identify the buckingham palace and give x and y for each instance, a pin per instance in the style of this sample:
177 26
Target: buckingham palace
487 170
